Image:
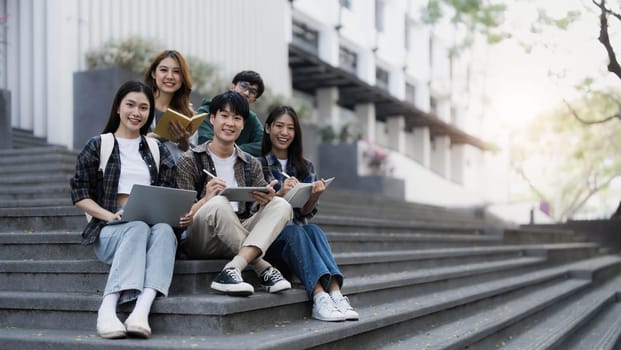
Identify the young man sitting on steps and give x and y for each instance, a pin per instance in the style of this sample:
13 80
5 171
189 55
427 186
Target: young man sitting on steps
223 229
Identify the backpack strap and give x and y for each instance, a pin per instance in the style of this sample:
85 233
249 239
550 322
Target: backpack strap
105 150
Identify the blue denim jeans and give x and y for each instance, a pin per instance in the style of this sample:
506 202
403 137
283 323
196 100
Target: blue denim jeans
141 257
304 249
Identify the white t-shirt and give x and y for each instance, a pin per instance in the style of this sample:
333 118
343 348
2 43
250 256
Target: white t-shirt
225 168
134 170
283 164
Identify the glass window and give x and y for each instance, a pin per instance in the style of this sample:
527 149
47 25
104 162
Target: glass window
348 59
410 93
382 77
306 37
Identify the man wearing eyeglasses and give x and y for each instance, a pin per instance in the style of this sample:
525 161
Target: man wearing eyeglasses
250 85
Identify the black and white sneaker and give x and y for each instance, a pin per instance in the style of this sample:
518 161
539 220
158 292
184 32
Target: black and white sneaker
272 280
230 282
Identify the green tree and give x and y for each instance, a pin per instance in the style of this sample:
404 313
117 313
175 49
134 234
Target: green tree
565 163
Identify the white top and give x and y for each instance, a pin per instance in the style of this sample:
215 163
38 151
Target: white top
225 168
134 170
283 164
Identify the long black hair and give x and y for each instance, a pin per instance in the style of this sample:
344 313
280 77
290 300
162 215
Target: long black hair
114 120
295 152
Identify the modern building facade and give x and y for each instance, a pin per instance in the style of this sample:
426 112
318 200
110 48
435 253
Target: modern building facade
368 65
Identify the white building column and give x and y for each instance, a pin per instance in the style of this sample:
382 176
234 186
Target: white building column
396 133
421 146
327 109
365 112
458 163
441 156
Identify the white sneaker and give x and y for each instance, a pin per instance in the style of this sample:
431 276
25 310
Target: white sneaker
343 305
138 326
110 327
325 309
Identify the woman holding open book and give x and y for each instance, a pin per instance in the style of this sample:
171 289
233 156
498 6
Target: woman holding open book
302 247
169 77
142 257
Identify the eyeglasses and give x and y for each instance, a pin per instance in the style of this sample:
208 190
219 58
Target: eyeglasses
246 87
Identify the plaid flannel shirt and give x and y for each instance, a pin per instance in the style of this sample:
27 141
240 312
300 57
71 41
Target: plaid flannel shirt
275 172
189 175
90 182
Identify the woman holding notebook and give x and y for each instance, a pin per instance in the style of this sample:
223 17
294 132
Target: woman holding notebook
302 247
169 78
141 256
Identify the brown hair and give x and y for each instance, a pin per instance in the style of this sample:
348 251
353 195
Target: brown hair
181 99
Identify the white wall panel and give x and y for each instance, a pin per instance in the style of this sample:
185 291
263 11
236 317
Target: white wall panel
38 96
24 99
12 59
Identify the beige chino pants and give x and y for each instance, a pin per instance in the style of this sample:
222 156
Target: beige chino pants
217 232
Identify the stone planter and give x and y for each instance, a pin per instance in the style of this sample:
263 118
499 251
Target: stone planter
341 161
93 91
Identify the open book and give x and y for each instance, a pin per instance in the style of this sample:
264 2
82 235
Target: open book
300 193
189 123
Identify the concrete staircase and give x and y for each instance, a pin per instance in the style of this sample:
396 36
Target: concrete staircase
422 277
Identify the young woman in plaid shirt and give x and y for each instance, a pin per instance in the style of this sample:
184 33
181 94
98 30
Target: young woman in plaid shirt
141 257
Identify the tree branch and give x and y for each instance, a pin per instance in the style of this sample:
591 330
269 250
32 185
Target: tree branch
613 64
590 122
522 174
571 210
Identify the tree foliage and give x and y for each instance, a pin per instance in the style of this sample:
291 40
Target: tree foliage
565 163
476 16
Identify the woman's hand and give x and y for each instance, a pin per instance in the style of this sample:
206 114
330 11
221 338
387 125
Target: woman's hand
180 135
318 188
115 216
287 185
186 220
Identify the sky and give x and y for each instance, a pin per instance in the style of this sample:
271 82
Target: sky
519 84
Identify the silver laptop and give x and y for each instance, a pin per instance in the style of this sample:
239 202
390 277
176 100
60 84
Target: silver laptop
155 204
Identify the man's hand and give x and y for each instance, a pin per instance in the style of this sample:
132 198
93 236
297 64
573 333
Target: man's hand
264 198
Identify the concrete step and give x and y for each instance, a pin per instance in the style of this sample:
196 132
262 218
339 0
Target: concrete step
15 192
57 156
355 241
39 202
32 273
457 326
34 179
50 245
194 314
22 138
543 330
39 166
533 235
397 212
223 313
462 326
42 219
602 333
